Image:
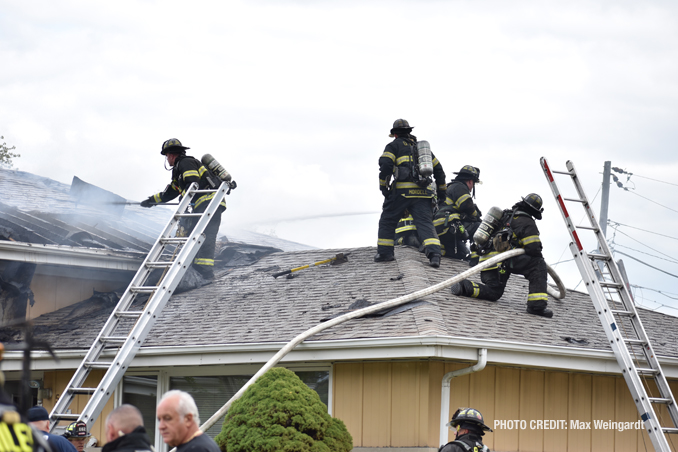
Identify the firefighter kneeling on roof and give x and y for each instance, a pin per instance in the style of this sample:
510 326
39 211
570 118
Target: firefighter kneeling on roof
185 171
520 231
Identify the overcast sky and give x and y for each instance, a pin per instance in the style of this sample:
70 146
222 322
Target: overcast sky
296 100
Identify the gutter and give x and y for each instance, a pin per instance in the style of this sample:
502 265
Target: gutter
403 348
445 391
71 256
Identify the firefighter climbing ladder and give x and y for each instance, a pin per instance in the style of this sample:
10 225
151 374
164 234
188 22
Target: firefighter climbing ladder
617 313
127 327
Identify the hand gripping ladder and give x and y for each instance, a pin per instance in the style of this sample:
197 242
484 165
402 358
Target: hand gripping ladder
127 327
617 313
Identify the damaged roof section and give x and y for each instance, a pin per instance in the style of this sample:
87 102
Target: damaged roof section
247 305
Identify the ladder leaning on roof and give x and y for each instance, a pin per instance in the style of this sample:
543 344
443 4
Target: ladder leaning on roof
612 300
127 327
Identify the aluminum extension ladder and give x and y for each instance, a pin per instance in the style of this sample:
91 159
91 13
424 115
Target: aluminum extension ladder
617 313
127 327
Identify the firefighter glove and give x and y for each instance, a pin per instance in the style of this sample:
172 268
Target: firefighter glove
150 202
232 185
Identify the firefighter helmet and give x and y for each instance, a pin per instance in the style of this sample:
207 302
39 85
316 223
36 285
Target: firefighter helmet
173 146
534 201
77 430
468 416
401 124
468 172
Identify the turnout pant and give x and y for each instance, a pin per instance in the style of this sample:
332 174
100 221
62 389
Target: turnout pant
494 281
422 213
204 260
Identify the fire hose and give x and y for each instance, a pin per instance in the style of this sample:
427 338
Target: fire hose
558 293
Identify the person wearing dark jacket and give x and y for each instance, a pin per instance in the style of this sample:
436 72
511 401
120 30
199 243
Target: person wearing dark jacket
470 428
459 217
125 431
185 171
409 191
525 234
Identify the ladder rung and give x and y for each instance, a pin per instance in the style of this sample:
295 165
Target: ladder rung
65 417
601 257
575 200
590 228
98 365
203 191
143 289
129 314
113 339
645 370
174 240
670 430
182 215
635 341
611 284
561 172
82 390
159 264
628 313
659 400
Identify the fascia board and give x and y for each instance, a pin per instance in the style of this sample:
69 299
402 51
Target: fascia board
68 255
403 348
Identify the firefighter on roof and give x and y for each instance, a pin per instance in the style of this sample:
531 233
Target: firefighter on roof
521 232
470 428
185 171
459 217
412 189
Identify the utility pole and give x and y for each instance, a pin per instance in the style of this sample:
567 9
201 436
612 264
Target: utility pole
605 199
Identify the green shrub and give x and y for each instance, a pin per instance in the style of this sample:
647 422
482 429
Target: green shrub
280 413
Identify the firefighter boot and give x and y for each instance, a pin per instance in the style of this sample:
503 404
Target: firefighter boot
463 288
384 257
546 312
434 261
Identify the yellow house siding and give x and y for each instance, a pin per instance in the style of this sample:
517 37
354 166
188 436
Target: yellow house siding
58 381
397 404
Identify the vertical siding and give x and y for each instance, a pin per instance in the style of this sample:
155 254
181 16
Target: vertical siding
348 398
556 390
377 404
531 408
398 405
58 381
507 407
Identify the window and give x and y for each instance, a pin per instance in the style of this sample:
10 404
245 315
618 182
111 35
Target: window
142 392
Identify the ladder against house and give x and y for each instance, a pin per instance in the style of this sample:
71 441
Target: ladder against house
128 325
612 300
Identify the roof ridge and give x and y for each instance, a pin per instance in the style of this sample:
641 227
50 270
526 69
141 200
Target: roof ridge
428 317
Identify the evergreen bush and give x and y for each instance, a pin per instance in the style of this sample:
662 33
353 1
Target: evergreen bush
280 413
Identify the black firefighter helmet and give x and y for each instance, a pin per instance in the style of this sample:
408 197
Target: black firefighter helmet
173 146
400 126
468 172
469 418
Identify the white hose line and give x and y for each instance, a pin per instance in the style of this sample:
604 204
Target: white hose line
558 294
359 313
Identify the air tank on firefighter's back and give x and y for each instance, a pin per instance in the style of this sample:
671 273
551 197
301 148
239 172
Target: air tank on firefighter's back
425 158
214 166
487 227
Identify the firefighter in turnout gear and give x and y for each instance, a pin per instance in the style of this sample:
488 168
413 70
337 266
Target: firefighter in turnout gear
521 232
185 171
458 217
410 191
470 428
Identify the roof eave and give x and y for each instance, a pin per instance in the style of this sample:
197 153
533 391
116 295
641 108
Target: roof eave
399 348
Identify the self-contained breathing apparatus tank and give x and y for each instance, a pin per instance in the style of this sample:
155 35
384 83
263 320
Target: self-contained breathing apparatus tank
425 159
488 226
214 166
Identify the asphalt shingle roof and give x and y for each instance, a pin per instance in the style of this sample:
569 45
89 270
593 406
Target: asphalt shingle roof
248 305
